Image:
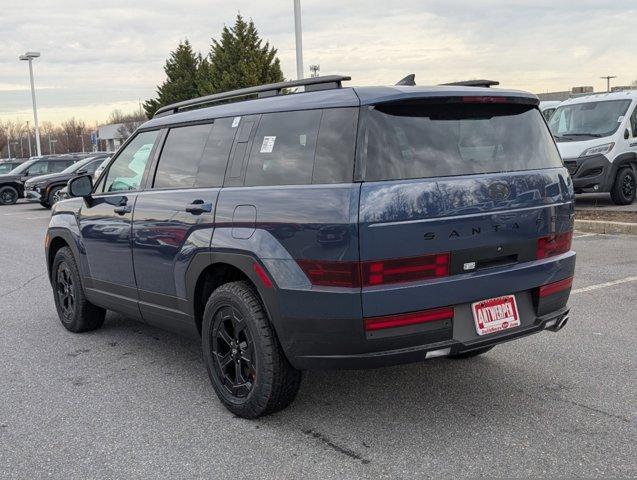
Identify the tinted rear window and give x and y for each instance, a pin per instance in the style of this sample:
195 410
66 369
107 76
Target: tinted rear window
419 141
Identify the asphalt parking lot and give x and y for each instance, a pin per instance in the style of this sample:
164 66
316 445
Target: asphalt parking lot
131 401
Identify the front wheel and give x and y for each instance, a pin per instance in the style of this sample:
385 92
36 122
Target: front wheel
8 195
76 313
245 363
54 196
623 191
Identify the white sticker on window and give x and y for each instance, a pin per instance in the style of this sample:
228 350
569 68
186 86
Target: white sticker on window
268 144
303 139
620 119
235 122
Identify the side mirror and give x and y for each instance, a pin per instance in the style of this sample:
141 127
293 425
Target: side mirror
81 186
626 134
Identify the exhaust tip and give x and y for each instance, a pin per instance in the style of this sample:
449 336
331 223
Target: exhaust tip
557 324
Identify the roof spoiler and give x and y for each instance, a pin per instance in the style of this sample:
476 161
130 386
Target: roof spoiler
313 83
473 83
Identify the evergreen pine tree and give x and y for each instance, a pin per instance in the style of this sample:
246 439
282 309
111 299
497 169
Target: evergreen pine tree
181 82
238 60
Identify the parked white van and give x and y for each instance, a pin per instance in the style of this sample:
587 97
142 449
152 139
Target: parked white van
597 138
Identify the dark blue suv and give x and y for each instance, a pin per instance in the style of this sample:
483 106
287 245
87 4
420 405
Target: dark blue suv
333 228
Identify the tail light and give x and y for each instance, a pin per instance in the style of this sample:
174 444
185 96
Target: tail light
555 287
555 244
404 319
376 272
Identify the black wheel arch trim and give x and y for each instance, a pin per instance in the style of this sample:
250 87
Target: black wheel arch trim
64 234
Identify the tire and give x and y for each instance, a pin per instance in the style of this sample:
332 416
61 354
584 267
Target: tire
623 191
236 331
470 354
76 313
8 195
53 197
45 205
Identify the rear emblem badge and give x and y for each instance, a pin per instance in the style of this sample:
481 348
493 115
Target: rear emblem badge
499 191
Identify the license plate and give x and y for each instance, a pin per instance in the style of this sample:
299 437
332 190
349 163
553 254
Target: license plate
495 314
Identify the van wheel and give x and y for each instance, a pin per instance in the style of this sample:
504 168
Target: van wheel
470 354
623 191
76 313
245 363
8 195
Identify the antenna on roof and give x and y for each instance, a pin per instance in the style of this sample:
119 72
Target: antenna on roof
409 80
473 83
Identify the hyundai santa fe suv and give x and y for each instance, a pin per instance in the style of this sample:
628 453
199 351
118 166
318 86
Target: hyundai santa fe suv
333 228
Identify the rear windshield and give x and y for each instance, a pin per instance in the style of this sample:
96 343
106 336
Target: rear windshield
419 141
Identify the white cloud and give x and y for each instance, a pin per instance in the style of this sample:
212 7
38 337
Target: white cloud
99 54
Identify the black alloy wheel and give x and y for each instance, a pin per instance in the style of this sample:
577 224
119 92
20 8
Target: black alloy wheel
8 196
233 351
625 187
65 290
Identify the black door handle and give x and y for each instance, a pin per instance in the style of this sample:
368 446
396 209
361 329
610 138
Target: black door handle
198 207
123 209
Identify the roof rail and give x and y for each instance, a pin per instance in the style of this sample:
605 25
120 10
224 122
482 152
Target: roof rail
272 89
473 83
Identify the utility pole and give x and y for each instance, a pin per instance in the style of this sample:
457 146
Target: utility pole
608 78
299 39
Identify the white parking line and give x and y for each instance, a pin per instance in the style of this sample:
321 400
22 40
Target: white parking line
604 285
35 218
583 235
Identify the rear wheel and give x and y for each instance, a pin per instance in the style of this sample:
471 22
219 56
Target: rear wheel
623 191
8 195
76 313
245 362
470 354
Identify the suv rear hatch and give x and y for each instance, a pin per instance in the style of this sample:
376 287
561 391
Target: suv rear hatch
463 198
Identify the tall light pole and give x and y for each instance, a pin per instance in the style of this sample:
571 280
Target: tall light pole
29 56
299 39
608 78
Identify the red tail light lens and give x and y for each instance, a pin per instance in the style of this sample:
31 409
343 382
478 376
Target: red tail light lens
554 244
404 319
485 99
555 287
404 269
331 274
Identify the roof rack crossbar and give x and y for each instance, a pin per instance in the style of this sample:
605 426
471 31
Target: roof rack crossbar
473 83
269 90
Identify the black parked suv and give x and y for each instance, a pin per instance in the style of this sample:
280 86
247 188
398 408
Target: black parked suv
12 183
46 188
334 228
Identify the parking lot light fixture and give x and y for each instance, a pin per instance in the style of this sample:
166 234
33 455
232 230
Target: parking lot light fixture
29 56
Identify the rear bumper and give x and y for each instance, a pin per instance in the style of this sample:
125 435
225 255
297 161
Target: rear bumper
331 334
418 353
590 174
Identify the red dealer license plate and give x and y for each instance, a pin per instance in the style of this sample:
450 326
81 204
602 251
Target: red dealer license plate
495 314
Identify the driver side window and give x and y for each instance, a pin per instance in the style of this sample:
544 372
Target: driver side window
126 172
39 168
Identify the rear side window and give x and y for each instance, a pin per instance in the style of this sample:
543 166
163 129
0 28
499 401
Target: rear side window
283 149
304 147
419 141
180 157
215 155
57 167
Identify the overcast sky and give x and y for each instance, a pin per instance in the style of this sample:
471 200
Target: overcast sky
97 56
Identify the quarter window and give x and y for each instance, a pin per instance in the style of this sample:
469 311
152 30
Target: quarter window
334 161
126 172
181 156
283 149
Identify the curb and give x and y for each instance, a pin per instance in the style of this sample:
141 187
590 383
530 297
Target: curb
602 226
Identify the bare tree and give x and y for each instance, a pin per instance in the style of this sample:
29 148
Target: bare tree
70 136
129 121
